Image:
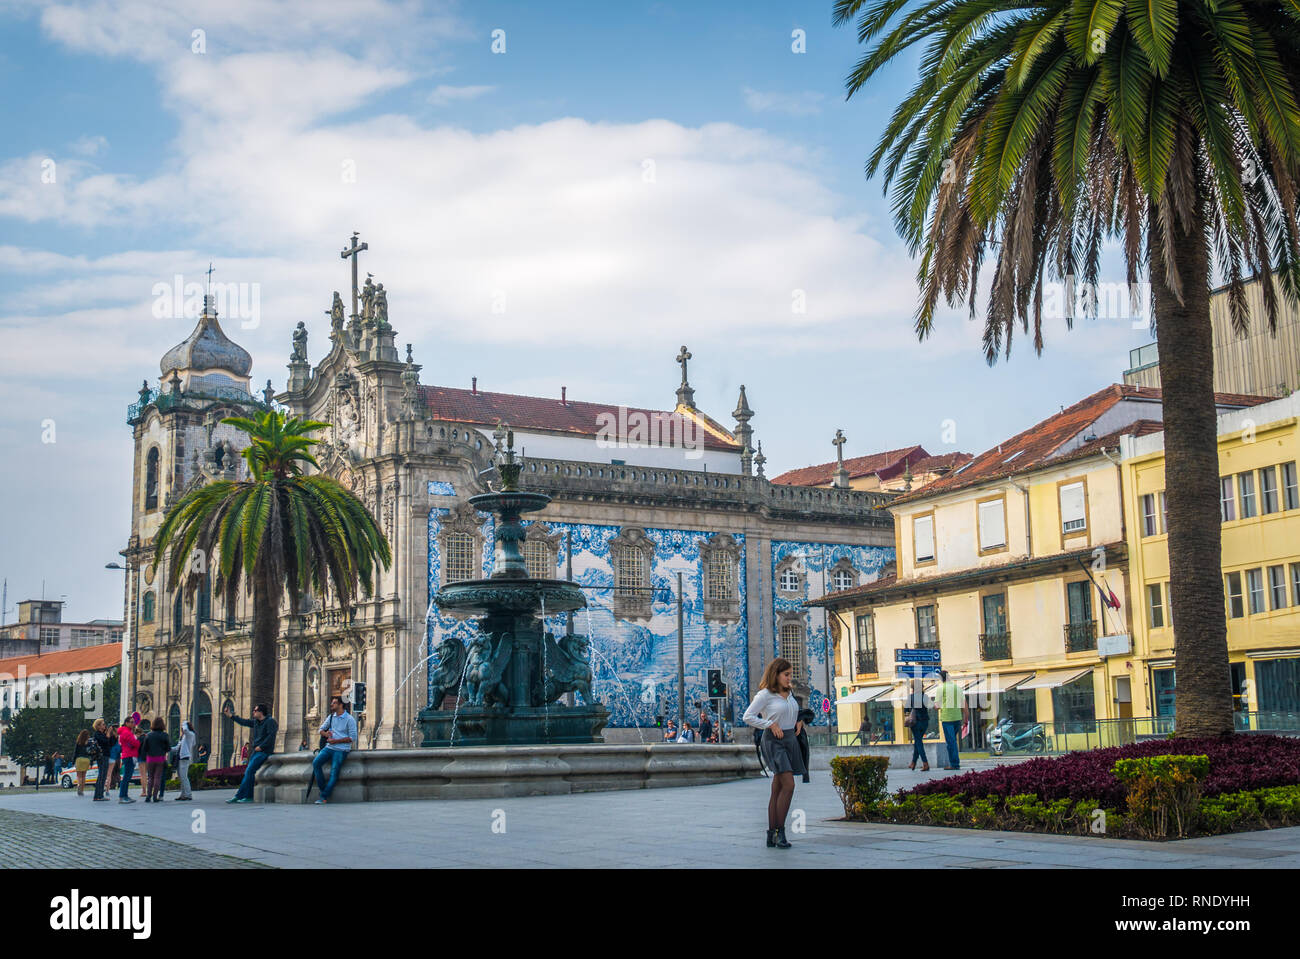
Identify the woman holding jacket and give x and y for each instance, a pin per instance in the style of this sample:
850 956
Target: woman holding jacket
775 711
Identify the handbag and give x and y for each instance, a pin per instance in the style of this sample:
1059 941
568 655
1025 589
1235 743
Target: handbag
909 718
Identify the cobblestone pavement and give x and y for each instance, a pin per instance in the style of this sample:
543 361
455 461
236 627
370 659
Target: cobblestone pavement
31 840
684 826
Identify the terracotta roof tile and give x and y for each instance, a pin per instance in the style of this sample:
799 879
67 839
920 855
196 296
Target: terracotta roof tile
856 465
1037 446
548 414
86 659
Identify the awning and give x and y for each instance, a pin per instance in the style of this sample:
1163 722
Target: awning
864 695
904 689
1057 678
997 683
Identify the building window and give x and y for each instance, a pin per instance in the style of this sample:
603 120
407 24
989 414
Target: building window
789 580
631 553
49 636
458 563
151 479
1165 688
1074 515
842 579
1255 586
538 558
1290 492
1081 629
1277 587
995 641
1227 500
147 607
1236 604
923 538
1149 527
792 647
1073 705
1277 685
1155 606
1164 512
631 573
927 627
720 583
1268 490
1295 584
865 654
1246 483
992 521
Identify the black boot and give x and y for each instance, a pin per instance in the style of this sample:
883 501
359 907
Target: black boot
771 838
780 839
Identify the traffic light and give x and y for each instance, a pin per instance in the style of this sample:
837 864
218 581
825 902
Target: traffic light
717 688
659 722
358 697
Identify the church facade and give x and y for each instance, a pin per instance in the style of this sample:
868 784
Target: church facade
642 501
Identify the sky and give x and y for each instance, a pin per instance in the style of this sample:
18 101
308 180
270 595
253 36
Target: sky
554 195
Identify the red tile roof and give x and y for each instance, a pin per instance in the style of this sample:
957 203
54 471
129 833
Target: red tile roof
1037 446
887 465
548 414
84 660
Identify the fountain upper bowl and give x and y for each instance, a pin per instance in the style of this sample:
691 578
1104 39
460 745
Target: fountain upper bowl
510 596
517 501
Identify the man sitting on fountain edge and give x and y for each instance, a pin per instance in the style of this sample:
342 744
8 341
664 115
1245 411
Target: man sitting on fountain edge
340 728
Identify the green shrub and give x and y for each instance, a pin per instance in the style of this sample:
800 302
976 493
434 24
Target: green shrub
861 781
1163 791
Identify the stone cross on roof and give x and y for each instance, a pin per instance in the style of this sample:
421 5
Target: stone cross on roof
841 474
352 251
685 395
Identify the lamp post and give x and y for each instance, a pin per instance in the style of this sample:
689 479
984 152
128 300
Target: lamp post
130 649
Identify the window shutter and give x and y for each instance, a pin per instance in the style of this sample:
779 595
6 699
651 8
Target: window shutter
1072 512
992 523
923 535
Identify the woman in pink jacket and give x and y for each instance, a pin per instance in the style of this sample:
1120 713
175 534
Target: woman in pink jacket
130 750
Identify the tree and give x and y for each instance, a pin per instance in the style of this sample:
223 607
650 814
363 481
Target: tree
50 721
1044 128
279 530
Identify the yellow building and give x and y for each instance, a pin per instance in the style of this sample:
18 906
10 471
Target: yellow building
1260 510
1015 567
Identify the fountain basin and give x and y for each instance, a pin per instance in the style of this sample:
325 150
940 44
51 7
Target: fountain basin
484 772
483 726
511 596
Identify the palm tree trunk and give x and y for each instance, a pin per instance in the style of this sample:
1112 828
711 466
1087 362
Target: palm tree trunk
266 633
1185 341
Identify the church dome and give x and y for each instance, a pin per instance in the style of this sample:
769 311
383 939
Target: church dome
207 348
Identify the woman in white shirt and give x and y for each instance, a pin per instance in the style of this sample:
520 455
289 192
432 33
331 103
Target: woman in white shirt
775 711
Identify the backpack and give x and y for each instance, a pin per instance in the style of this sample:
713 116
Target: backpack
92 750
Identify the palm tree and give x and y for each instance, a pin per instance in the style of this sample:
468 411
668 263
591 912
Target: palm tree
277 530
1044 128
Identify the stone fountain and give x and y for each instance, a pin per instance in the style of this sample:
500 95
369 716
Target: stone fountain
508 682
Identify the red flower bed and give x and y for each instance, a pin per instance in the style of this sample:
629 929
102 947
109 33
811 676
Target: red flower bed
230 776
1236 763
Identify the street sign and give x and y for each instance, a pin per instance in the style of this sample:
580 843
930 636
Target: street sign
916 656
1113 645
826 704
917 670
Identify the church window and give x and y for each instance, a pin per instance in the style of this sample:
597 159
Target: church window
178 615
792 647
720 583
151 479
842 579
460 557
538 557
790 579
631 572
146 608
631 553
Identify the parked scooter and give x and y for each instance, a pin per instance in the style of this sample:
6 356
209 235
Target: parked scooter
1007 736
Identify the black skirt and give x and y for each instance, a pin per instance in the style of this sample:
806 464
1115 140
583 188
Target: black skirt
782 755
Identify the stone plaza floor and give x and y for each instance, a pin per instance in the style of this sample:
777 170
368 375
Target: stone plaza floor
697 826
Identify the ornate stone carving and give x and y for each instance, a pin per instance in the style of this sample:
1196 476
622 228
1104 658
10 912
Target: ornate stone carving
720 556
569 668
485 675
452 657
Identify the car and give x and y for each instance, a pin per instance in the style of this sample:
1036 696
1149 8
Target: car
69 777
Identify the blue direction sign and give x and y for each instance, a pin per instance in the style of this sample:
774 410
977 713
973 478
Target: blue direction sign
916 655
917 670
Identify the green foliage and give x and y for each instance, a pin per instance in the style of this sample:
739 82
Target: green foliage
860 780
42 727
1163 791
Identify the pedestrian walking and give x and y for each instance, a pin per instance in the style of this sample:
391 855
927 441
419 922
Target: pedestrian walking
264 729
101 750
130 746
184 756
953 713
142 731
340 730
916 717
81 759
775 711
58 766
157 744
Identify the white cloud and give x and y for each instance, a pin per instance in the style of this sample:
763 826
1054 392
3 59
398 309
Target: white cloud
443 94
805 103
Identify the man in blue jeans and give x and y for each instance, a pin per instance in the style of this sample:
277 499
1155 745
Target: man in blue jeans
264 730
953 711
340 730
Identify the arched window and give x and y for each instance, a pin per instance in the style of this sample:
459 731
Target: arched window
720 582
205 598
174 722
147 608
151 479
178 615
459 561
792 647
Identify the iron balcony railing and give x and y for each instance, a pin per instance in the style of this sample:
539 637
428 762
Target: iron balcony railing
1081 636
995 645
865 659
932 643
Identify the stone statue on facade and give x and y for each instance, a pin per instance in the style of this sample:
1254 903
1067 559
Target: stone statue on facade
451 667
336 314
368 300
300 343
381 307
568 668
485 674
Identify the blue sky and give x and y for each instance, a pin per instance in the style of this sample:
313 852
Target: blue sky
520 176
